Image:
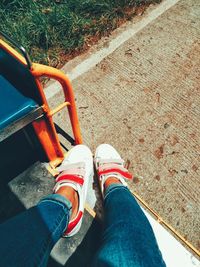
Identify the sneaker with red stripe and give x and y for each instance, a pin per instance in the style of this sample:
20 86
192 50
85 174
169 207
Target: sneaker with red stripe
75 171
108 164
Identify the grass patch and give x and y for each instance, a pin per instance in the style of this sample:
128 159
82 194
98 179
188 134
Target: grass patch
51 30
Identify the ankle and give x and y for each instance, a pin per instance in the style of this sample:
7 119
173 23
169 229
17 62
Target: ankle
110 181
70 194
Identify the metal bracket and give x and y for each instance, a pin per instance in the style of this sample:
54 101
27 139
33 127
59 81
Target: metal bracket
19 47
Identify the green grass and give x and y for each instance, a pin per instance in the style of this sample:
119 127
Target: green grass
50 29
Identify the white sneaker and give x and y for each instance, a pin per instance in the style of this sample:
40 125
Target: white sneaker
75 171
109 163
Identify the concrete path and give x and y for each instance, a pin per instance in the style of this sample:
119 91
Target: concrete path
139 91
144 98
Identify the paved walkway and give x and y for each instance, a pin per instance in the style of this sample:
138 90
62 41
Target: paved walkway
140 93
144 99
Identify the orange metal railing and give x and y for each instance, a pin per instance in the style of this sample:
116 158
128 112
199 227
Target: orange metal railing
44 126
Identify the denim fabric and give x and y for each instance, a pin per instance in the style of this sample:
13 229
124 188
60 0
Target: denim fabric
128 239
27 239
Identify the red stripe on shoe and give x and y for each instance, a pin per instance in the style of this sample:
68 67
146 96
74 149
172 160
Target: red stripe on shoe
74 178
73 223
127 174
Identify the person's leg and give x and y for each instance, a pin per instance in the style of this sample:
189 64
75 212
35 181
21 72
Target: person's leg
128 239
27 239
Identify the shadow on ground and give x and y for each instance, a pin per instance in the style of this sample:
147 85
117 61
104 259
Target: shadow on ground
23 182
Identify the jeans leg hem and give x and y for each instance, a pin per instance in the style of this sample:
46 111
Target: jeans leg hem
114 187
58 199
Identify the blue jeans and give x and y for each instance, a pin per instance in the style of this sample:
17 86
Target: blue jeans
27 239
128 240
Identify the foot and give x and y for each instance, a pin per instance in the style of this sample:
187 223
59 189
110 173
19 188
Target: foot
110 167
72 183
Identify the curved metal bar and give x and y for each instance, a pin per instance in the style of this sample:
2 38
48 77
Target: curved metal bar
42 70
